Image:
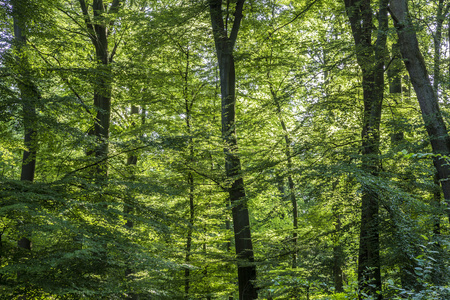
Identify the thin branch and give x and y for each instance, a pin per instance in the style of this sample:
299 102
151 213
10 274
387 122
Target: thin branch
296 16
105 159
227 16
75 21
116 44
87 19
207 177
77 32
390 62
63 78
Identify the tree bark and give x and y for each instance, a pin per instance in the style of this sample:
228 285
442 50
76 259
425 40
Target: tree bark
370 58
97 29
441 14
243 242
428 100
29 96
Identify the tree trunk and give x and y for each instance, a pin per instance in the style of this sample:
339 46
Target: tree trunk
190 181
102 91
428 100
128 205
97 27
371 61
338 253
243 242
190 176
437 41
29 96
98 33
291 185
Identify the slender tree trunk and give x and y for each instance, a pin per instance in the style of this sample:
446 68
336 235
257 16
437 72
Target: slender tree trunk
132 162
428 100
441 14
29 96
190 175
371 60
241 222
338 254
97 27
129 206
190 181
102 91
437 205
98 32
291 185
437 275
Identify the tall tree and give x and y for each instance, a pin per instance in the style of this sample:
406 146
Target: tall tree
370 58
441 14
426 95
225 41
29 95
98 27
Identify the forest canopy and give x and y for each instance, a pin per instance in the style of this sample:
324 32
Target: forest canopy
224 149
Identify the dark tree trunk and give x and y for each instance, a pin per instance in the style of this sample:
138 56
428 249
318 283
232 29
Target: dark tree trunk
29 96
394 71
102 90
371 61
241 222
98 33
97 27
428 100
441 13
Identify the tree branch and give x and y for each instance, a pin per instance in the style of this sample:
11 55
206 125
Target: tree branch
87 19
296 16
218 27
237 22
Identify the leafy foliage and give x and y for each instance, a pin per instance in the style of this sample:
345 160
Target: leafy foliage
299 116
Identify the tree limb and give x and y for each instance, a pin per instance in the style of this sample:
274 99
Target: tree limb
296 16
87 19
237 22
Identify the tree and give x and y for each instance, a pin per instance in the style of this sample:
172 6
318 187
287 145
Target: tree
225 42
370 58
29 96
426 95
98 27
138 210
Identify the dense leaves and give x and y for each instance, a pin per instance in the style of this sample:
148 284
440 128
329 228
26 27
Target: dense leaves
150 217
